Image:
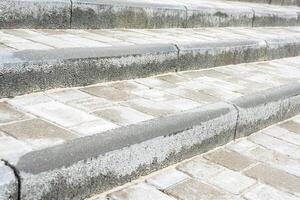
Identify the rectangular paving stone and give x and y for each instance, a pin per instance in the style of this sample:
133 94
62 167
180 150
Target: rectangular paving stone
264 192
11 148
68 95
229 159
275 177
194 190
153 108
275 144
90 104
283 134
182 104
232 181
273 158
38 133
9 114
197 96
155 83
123 115
93 127
167 179
200 168
140 191
291 126
61 114
241 146
27 100
128 85
172 78
154 95
109 93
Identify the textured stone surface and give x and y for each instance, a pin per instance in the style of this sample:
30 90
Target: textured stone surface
275 177
177 129
47 59
228 159
9 114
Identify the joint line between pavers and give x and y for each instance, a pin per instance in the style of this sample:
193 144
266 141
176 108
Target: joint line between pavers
253 18
186 16
237 118
178 52
266 50
17 176
71 13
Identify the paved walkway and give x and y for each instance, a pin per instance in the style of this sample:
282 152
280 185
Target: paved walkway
263 166
36 121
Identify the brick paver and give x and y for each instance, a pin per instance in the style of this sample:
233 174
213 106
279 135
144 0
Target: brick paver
257 167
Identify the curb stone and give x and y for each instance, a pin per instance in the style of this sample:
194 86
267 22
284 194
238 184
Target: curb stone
31 70
81 167
8 183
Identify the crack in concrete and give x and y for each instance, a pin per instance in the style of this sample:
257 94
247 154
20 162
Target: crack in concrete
17 176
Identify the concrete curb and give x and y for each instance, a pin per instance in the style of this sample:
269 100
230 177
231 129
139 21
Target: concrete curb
8 182
84 166
31 70
139 14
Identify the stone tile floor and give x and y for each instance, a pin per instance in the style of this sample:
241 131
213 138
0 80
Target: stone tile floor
14 40
263 166
39 120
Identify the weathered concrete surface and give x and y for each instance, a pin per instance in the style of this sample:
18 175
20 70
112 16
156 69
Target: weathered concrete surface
38 60
90 142
65 171
252 168
142 14
8 183
127 14
83 66
35 14
261 110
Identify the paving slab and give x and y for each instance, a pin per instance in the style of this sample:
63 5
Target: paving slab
131 136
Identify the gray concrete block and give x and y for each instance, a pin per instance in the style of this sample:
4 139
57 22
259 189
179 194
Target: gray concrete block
28 71
127 14
8 183
222 15
263 109
80 167
212 54
35 14
282 47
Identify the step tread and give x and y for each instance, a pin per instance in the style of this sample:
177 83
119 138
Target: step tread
48 40
39 120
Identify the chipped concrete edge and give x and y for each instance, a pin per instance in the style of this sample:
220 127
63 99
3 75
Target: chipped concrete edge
37 70
84 166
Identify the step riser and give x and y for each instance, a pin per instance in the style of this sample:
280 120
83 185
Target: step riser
148 146
30 71
64 14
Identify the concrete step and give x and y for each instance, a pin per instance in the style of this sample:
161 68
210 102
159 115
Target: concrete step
274 2
249 168
142 14
35 60
71 143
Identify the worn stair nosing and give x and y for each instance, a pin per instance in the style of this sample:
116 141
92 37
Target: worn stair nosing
37 70
81 167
